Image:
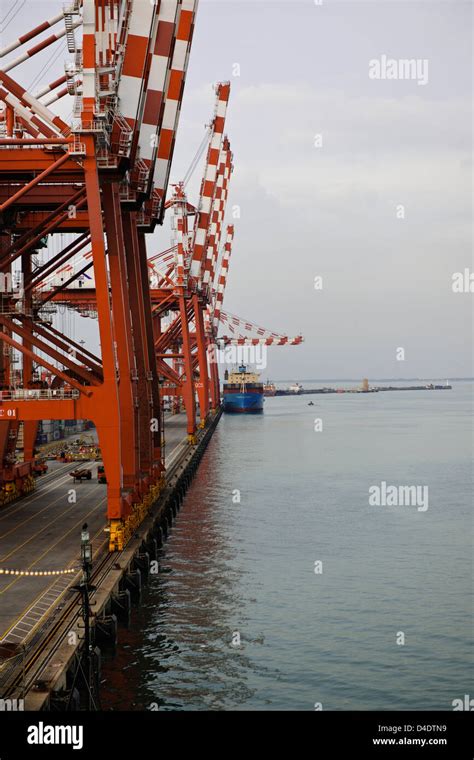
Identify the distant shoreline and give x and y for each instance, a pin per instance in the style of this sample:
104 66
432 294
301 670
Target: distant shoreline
377 380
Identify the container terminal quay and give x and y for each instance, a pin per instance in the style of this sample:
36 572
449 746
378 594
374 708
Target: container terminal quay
41 620
98 328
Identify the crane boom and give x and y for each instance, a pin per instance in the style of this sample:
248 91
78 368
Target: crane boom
201 229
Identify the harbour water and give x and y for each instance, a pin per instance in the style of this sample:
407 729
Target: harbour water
335 602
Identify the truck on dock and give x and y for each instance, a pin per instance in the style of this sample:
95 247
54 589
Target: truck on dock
81 474
39 467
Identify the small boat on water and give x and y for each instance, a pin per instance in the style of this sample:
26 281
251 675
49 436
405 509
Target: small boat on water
269 389
295 388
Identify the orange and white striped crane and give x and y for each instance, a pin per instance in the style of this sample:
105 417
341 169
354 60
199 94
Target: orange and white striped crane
101 179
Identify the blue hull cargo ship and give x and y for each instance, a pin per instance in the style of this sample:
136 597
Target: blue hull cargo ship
243 392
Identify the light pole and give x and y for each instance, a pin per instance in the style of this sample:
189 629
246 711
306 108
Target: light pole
86 554
84 587
86 558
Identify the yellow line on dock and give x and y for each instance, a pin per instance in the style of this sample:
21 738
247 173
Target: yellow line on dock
38 533
25 502
18 525
43 591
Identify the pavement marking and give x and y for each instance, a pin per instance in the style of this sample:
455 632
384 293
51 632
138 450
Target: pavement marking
17 627
32 517
36 603
38 533
41 605
49 548
25 502
40 493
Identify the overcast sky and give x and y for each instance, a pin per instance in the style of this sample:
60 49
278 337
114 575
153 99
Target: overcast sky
332 209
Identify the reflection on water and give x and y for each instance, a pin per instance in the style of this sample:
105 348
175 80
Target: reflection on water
245 568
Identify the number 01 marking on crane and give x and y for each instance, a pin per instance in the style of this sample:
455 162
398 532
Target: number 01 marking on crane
11 414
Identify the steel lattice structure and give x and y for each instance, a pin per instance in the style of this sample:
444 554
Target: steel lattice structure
102 179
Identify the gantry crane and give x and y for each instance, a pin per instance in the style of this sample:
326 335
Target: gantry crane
102 177
187 284
101 180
